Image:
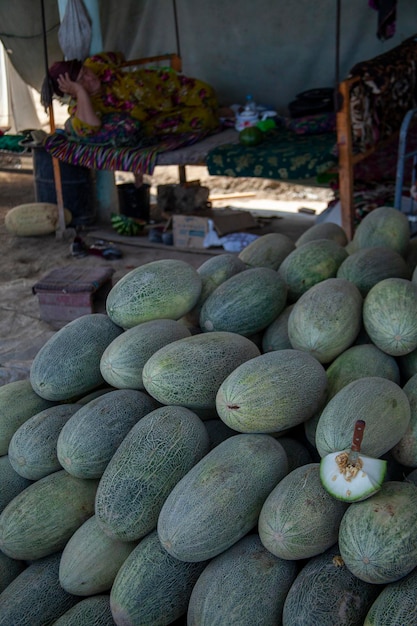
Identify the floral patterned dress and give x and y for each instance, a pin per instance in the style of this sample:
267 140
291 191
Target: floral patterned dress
161 100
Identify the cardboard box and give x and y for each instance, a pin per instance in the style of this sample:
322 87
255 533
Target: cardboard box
189 231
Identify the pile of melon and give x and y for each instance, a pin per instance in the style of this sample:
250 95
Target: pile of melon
161 464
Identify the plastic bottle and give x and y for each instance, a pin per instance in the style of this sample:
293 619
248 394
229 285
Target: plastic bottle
250 104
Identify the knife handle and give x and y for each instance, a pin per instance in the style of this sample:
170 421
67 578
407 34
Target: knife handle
358 435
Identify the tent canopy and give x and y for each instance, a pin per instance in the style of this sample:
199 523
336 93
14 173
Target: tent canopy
273 50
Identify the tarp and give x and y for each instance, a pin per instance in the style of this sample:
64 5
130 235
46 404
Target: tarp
272 49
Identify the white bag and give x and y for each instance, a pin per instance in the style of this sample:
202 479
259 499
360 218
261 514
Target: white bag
75 32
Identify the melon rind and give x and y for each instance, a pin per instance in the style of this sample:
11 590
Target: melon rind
268 250
396 603
92 611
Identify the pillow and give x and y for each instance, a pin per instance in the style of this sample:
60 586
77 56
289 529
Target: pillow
312 124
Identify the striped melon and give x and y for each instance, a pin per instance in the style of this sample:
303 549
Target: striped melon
68 364
323 230
219 500
245 303
41 519
268 250
188 372
94 611
9 570
378 536
396 604
384 226
380 402
326 593
91 559
34 219
122 361
299 519
405 451
32 449
367 266
35 596
326 319
213 273
357 361
275 336
272 392
92 435
167 288
11 482
310 264
246 582
152 587
156 453
390 315
18 402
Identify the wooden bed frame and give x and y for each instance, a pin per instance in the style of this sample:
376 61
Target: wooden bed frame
348 154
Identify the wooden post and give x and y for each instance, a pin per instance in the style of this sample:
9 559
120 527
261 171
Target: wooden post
344 146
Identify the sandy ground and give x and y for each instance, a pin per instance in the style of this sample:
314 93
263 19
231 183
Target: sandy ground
24 260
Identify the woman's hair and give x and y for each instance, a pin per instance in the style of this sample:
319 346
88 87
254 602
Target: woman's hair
72 68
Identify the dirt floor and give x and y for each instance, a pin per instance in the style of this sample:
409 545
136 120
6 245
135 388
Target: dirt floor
25 260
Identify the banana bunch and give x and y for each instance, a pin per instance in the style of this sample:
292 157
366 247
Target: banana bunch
125 225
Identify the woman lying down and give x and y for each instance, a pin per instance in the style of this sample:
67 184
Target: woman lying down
109 104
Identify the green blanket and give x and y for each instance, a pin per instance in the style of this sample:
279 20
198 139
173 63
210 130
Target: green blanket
283 155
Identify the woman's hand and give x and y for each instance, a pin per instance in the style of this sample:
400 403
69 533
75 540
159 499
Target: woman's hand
68 86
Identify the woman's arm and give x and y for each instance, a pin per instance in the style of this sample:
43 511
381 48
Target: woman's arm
85 111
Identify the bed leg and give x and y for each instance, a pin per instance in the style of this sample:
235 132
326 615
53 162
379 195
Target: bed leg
182 174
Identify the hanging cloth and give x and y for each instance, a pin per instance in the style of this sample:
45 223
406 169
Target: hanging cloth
387 15
75 32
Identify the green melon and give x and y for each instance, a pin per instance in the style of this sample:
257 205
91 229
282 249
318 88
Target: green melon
41 519
167 288
35 596
275 336
323 230
268 250
9 570
11 482
367 266
396 604
251 136
94 611
299 519
390 315
383 227
122 361
272 392
18 402
245 303
378 536
405 451
326 319
91 559
380 402
92 435
326 593
246 582
68 364
152 587
157 452
32 449
309 264
357 361
189 371
218 501
213 273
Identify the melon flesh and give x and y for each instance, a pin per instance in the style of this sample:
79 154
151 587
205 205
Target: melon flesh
349 482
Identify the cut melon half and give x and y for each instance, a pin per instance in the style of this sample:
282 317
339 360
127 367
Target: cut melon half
350 476
348 481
